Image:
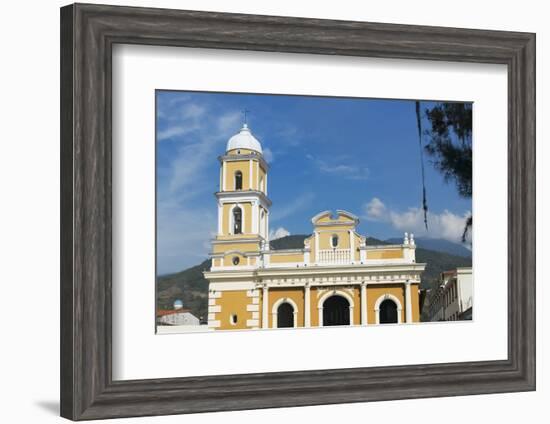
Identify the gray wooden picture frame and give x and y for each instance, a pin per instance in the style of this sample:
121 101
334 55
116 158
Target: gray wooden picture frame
88 33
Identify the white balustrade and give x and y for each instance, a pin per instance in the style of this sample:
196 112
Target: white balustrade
334 256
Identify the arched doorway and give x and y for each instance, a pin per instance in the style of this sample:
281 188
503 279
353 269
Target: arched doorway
388 312
336 311
285 315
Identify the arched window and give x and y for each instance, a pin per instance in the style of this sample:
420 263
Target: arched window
285 315
334 241
336 311
262 184
388 312
237 221
238 180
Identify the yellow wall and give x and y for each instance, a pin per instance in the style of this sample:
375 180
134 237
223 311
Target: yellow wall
231 168
243 260
316 297
233 302
262 175
343 238
247 217
313 307
237 301
385 254
415 300
225 218
241 247
375 291
291 257
357 253
228 259
296 294
254 182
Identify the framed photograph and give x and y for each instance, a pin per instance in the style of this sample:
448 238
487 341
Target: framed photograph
265 212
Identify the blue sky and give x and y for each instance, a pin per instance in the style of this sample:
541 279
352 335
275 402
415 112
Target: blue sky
360 155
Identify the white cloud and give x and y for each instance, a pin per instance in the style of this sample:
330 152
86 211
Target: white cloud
185 119
278 233
183 235
229 122
341 166
268 155
445 225
375 209
193 111
199 135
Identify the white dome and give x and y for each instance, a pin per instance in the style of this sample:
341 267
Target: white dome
244 140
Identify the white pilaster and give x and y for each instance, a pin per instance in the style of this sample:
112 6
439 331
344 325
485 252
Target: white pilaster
265 303
267 225
223 175
307 306
364 320
352 246
316 247
408 302
255 217
251 183
220 218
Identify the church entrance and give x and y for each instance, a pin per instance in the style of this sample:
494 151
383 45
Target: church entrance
388 312
336 311
285 315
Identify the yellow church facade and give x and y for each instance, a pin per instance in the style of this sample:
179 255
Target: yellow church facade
336 278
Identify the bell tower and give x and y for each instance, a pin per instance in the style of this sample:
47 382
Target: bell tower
243 205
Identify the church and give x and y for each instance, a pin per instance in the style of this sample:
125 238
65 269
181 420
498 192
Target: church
336 278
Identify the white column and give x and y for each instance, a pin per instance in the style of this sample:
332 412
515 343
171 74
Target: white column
364 320
265 181
316 247
408 302
220 218
307 306
223 176
265 303
352 246
267 225
255 217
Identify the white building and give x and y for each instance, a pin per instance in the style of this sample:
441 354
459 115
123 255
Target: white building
176 316
453 299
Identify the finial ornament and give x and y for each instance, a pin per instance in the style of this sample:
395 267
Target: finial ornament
406 238
412 239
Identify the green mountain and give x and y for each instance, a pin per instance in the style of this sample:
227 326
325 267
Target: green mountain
439 245
190 286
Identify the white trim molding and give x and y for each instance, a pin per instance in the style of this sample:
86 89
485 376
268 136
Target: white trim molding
388 296
329 294
275 312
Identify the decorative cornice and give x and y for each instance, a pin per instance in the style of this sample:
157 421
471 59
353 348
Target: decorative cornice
237 158
246 195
